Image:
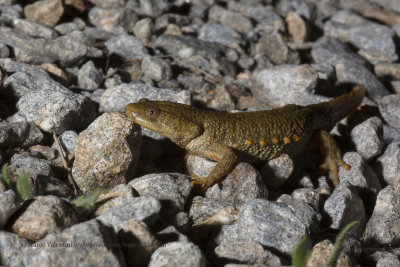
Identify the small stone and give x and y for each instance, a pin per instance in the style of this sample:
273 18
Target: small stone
361 174
9 203
178 254
82 244
67 141
368 138
219 34
171 189
382 259
322 252
117 98
345 206
49 185
89 77
390 110
389 163
297 27
246 251
11 249
58 111
282 84
30 165
66 28
145 242
389 4
310 196
177 44
44 152
119 20
202 209
114 198
33 29
388 70
276 172
156 69
153 8
45 215
13 134
383 227
4 51
241 185
390 135
274 47
46 12
143 29
144 209
106 153
231 19
272 224
126 46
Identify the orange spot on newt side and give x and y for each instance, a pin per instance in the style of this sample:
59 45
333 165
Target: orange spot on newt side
296 138
286 140
275 140
263 142
237 145
249 142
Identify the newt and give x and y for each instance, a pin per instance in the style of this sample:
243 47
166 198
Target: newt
252 137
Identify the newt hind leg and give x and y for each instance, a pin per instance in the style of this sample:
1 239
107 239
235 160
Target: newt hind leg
331 153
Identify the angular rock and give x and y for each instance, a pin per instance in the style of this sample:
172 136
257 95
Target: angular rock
389 163
19 133
9 203
202 209
382 259
144 209
58 111
368 138
219 34
33 29
115 19
117 98
31 165
231 19
171 189
310 196
12 248
272 224
46 12
45 215
322 252
276 171
67 141
106 153
114 198
156 69
126 46
345 206
361 174
89 77
383 226
390 110
178 254
87 243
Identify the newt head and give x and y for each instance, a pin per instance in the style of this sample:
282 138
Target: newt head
169 119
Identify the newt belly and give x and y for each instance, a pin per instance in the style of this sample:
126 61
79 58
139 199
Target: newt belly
256 136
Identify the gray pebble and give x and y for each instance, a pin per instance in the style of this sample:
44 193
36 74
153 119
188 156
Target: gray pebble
389 163
382 259
231 19
66 28
126 46
272 224
45 215
361 174
33 29
383 226
156 69
144 209
53 110
30 165
81 244
9 203
203 208
276 171
67 141
390 134
11 248
109 147
4 51
46 12
390 109
178 254
117 98
171 189
308 195
368 138
115 19
219 34
89 78
114 198
345 206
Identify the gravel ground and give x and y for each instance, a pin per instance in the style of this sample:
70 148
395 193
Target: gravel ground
68 69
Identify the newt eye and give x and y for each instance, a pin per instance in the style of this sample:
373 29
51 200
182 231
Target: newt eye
152 112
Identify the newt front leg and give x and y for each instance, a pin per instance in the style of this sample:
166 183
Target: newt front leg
226 160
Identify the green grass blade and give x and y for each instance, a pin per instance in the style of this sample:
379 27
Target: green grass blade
6 176
302 252
338 246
